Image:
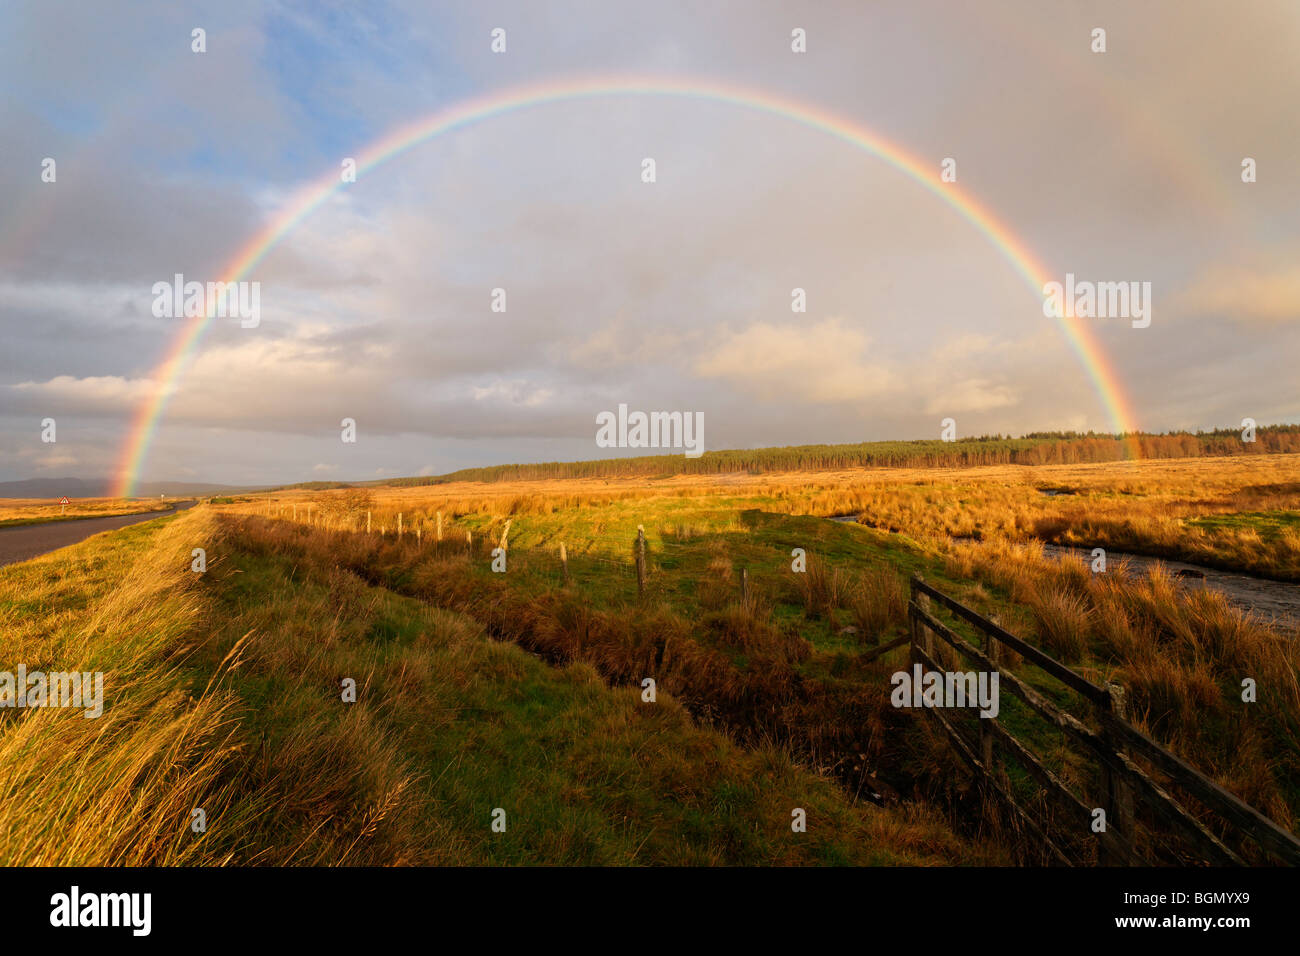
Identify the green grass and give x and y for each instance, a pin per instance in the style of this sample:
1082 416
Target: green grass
1269 524
694 541
224 692
683 536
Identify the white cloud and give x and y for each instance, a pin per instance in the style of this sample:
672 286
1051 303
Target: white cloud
971 395
92 395
514 393
826 361
1246 293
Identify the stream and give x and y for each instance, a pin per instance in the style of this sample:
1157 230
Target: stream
1268 601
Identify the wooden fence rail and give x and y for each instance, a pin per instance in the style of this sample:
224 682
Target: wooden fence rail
1114 749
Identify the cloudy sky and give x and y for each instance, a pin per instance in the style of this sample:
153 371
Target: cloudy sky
672 295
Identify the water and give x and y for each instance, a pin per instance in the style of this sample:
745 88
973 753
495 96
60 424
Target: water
1267 600
1271 602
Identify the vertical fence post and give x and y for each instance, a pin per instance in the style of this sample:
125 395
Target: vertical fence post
439 527
367 522
744 587
419 536
399 525
640 561
926 639
564 564
986 732
912 623
1116 847
469 544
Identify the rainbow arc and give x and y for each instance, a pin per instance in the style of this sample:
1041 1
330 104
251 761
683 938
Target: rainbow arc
305 201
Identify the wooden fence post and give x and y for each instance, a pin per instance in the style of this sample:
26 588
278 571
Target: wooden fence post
469 544
926 638
990 649
439 527
367 522
564 564
399 525
912 624
640 561
744 587
1116 847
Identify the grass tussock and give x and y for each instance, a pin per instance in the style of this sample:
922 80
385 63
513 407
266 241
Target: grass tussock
878 600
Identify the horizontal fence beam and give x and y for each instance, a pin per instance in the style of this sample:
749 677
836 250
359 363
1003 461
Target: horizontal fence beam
1049 781
1157 799
1076 682
1265 832
1171 811
1044 707
986 773
875 652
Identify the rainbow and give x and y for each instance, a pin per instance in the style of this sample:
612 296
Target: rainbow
310 197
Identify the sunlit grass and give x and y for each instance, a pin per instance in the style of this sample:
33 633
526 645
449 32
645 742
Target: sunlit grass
223 693
24 511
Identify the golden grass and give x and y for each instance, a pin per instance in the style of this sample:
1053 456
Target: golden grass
36 510
1143 506
1181 654
117 790
222 692
878 599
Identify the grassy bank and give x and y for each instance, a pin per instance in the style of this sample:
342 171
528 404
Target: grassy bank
223 692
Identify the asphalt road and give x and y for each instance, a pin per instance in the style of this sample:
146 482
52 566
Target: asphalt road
23 542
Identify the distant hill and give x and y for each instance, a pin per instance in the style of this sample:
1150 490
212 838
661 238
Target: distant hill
100 487
1038 448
